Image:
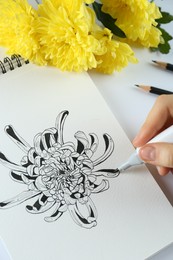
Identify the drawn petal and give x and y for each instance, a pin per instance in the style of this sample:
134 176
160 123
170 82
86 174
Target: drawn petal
17 139
32 155
88 221
60 125
16 176
37 144
11 165
24 161
109 173
48 138
56 214
30 170
20 198
21 177
88 163
59 210
39 184
108 150
82 141
68 146
94 142
96 188
39 147
40 206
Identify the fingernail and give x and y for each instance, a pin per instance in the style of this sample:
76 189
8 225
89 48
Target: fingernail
158 169
148 153
135 140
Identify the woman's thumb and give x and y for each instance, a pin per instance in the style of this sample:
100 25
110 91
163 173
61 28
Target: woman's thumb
160 154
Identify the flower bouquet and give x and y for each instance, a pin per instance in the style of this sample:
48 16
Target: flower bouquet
79 35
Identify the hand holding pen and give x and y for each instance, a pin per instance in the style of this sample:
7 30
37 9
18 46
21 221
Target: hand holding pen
154 142
158 154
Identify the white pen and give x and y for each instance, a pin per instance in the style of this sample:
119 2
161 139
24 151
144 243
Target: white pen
134 159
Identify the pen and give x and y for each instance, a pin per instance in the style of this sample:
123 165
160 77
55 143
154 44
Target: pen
134 159
154 90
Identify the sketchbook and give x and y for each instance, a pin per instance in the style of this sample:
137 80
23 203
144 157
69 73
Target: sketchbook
58 196
11 63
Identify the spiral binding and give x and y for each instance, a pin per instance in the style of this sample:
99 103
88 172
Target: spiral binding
12 63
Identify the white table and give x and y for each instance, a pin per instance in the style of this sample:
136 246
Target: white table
128 103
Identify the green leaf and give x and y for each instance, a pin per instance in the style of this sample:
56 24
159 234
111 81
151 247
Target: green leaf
166 18
166 36
165 47
107 20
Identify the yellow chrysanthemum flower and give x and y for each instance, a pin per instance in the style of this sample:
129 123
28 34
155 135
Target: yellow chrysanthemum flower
117 54
89 1
62 34
64 29
17 29
137 19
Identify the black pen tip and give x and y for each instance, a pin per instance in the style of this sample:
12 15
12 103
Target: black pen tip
113 172
136 85
154 61
110 170
116 170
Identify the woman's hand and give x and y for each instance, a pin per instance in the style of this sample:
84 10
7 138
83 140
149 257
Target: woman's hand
159 118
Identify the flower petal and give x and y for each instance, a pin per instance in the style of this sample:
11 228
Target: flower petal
37 144
39 184
21 177
82 141
88 163
16 176
60 125
40 206
94 142
17 139
108 151
11 165
31 155
20 198
88 221
110 173
68 146
49 137
59 210
56 214
96 188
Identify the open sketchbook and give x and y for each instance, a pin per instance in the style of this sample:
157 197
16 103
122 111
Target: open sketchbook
58 200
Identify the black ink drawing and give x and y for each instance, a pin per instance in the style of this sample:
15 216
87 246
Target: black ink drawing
61 175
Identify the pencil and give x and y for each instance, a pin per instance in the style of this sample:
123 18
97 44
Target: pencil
154 90
164 65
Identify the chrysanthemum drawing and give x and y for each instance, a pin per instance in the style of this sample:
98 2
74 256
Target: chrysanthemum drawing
60 175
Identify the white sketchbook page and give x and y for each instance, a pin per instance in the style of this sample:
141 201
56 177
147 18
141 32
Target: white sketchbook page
134 217
3 251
